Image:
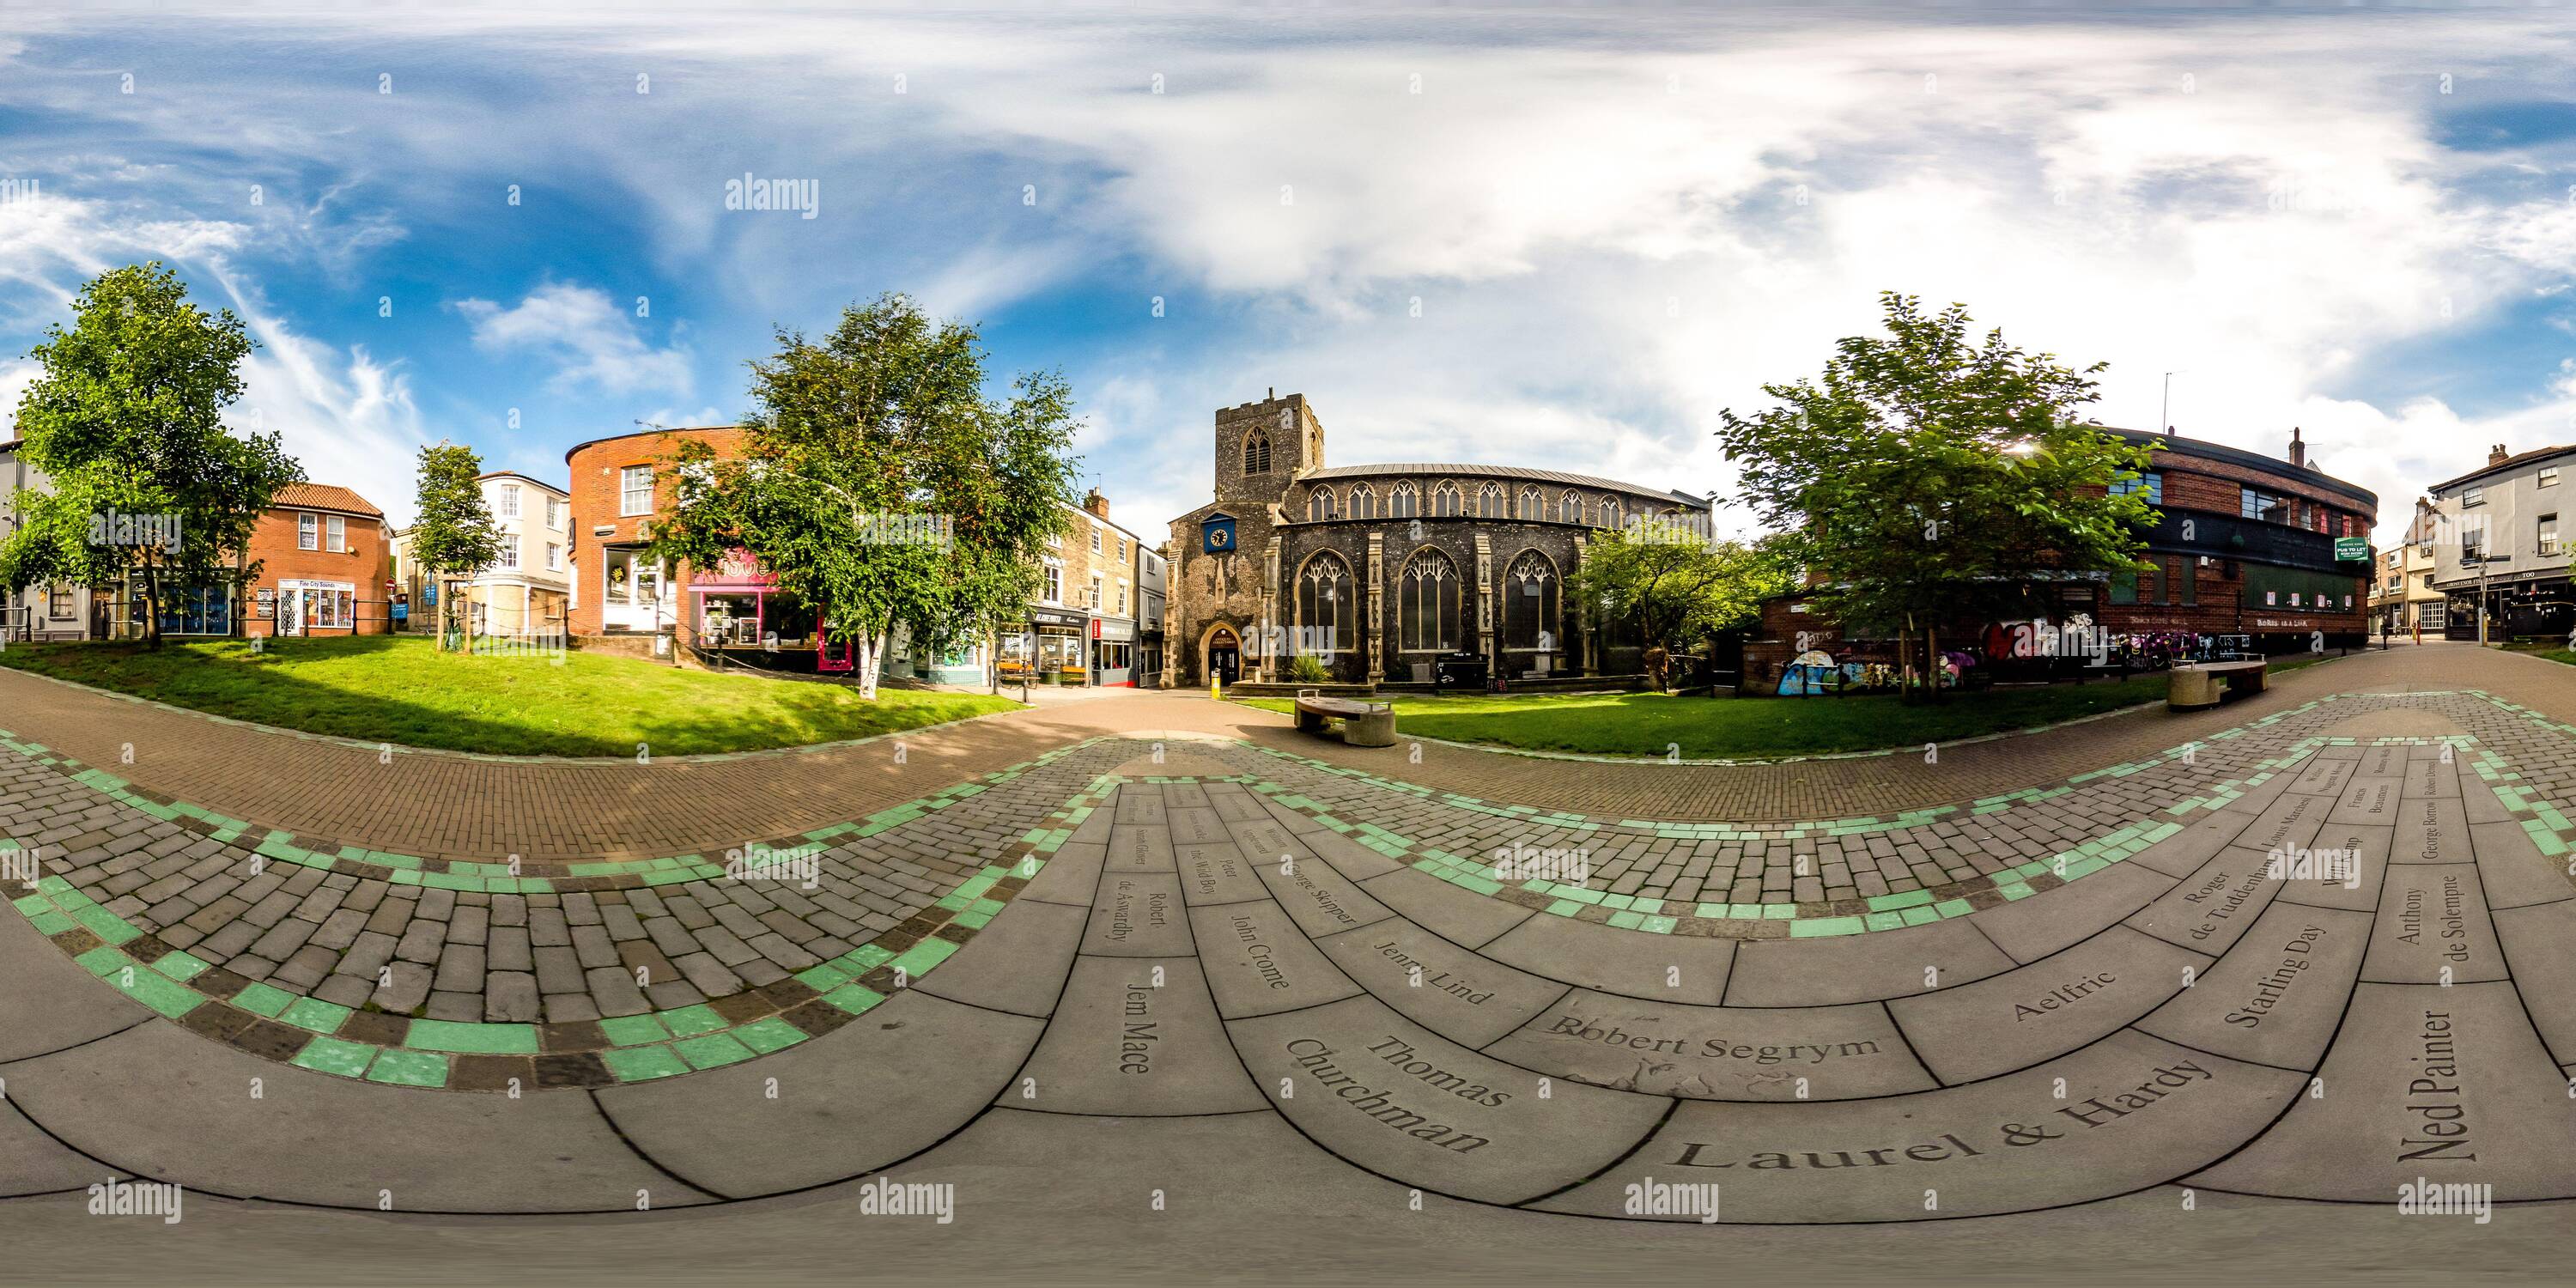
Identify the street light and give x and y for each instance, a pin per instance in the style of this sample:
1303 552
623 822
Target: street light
2482 561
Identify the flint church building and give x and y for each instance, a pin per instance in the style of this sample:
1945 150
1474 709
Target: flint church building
1379 570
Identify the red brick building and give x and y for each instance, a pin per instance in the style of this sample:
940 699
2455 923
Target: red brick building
326 566
619 484
2246 547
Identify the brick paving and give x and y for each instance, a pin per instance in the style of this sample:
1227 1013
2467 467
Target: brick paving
571 955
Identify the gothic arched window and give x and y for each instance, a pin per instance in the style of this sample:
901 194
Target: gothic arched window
1531 602
1445 501
1256 453
1609 512
1573 507
1363 502
1489 502
1319 504
1327 607
1533 504
1426 606
1401 503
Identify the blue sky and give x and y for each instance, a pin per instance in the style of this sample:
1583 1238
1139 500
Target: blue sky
1552 240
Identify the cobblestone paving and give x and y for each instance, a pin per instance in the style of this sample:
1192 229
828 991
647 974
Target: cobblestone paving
457 973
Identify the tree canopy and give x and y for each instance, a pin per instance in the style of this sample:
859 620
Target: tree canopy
144 482
1929 475
454 532
882 484
1673 586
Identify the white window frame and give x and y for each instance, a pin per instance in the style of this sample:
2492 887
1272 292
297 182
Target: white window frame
554 513
338 527
1054 589
308 531
509 500
626 491
1095 541
554 557
2548 476
510 552
1094 605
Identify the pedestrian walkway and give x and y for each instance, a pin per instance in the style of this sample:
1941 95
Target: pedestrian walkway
2070 989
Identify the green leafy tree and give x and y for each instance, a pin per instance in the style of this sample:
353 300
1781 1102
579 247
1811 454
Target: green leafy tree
881 484
145 485
1932 476
1673 587
455 532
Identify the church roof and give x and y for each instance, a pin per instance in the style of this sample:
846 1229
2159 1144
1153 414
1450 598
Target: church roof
1508 472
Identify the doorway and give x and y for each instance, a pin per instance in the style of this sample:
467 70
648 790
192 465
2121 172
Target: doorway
1225 655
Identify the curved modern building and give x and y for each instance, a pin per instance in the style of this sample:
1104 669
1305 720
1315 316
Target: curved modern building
1377 570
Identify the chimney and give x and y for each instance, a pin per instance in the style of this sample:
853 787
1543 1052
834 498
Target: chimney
1096 503
2298 450
2496 454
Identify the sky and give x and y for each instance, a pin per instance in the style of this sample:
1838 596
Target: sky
1562 240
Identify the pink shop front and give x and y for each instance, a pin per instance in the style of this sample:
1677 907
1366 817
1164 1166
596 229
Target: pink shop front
737 614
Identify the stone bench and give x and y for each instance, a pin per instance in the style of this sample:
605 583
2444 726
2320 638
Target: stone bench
2196 688
1364 724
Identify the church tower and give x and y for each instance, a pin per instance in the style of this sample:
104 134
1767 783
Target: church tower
1262 447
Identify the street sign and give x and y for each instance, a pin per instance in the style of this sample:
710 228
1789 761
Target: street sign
2349 548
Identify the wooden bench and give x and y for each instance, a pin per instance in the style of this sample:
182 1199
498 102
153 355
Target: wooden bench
2197 688
1364 724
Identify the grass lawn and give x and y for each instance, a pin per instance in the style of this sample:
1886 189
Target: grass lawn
380 688
1644 724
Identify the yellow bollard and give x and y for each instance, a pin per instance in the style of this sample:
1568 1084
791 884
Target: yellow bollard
1216 688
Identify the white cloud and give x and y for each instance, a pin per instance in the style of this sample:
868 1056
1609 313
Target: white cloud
591 339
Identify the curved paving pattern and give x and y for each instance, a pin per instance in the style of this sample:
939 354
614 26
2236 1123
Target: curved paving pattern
2072 992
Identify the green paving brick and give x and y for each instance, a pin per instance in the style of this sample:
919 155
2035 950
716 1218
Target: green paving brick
918 959
409 1068
769 1034
331 1055
712 1050
854 998
633 1030
688 1020
479 1039
1817 927
264 999
51 922
157 991
642 1063
315 1014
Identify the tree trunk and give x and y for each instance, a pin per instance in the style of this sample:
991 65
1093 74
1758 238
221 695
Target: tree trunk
152 605
1932 651
871 652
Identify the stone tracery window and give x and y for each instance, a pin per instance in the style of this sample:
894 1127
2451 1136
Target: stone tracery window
1363 501
1427 617
1489 502
1319 504
1573 507
1533 504
1532 598
1327 607
1609 512
1256 453
1445 501
1401 503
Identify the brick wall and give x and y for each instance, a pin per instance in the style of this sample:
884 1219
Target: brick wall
367 563
595 469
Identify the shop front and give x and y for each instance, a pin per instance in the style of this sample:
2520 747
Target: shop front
310 607
1113 652
1052 651
633 599
737 610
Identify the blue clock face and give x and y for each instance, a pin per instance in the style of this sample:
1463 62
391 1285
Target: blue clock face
1218 536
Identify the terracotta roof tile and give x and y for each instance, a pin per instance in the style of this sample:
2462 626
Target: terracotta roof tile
323 496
